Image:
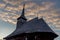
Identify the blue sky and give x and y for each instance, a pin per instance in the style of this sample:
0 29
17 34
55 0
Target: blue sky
10 10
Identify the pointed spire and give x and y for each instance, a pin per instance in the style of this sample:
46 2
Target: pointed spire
23 15
23 10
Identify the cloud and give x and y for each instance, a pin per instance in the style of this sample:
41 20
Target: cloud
11 8
8 17
2 5
13 2
32 9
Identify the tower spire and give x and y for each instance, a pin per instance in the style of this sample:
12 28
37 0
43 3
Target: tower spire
23 10
23 14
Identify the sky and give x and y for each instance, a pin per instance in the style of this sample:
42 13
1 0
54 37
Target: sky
10 10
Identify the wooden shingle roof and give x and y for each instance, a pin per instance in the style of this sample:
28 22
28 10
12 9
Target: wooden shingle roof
34 25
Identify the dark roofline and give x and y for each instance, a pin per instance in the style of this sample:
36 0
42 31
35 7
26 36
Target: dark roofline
41 27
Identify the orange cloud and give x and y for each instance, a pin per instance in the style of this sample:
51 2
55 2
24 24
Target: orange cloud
2 5
32 9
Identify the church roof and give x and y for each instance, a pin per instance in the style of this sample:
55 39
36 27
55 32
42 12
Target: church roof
34 25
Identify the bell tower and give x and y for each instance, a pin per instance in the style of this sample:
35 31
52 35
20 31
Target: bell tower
22 19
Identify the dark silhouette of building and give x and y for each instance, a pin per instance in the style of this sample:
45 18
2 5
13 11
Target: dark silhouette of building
35 29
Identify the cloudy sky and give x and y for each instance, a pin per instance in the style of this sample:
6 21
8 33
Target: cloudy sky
10 10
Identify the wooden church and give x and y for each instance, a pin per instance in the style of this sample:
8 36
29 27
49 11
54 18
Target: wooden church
35 29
